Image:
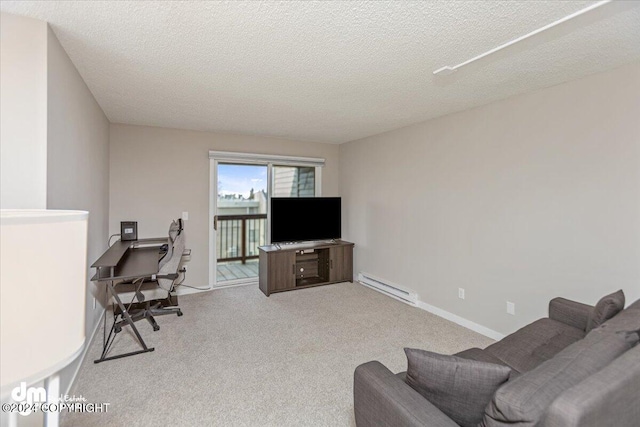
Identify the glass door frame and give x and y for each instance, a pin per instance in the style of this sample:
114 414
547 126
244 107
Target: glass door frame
268 160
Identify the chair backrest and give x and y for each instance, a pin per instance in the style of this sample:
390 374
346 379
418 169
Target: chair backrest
174 230
173 263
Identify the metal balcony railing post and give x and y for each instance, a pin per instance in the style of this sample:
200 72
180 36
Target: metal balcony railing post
228 235
244 237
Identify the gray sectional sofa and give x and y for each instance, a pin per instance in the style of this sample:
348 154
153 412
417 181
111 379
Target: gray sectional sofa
579 367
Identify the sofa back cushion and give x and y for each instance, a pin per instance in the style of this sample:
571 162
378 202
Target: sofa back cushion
460 388
634 305
607 398
524 400
534 343
605 309
627 320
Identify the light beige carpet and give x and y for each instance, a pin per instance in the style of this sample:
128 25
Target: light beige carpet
238 358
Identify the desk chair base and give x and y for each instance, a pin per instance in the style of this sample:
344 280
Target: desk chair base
147 311
156 311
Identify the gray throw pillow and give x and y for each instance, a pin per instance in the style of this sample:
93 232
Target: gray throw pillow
524 400
605 309
460 388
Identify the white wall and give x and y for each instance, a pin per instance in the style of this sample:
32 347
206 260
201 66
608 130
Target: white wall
157 173
78 165
23 107
55 144
524 199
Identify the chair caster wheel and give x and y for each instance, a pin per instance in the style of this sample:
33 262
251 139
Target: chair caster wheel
117 329
156 328
179 313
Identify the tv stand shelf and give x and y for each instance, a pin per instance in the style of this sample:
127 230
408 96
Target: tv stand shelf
302 265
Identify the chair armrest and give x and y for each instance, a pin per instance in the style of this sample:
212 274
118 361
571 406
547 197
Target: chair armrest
382 399
570 313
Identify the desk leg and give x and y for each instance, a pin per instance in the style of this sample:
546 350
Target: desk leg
112 288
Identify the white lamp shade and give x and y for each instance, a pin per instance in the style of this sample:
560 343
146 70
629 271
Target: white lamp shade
43 279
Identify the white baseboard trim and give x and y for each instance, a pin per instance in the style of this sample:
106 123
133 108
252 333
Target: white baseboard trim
80 360
461 321
445 315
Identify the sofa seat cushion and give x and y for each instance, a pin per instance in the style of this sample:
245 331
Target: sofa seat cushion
524 401
480 355
535 343
460 388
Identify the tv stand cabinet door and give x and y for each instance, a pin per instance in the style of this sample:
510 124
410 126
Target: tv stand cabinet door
279 274
341 263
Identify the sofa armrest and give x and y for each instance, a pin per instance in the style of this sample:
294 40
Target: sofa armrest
570 313
382 399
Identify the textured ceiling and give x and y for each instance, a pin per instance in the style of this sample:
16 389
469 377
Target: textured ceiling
323 71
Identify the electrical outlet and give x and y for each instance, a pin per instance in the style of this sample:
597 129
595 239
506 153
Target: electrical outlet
461 293
185 216
511 308
94 303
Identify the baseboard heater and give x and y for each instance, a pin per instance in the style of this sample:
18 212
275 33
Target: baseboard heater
387 288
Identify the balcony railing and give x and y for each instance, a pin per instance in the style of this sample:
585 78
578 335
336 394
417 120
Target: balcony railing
238 236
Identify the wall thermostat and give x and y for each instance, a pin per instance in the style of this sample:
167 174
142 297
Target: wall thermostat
128 230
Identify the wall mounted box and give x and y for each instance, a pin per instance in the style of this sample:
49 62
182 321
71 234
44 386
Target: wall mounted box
128 231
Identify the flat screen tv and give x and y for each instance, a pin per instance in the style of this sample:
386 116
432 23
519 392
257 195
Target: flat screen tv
302 219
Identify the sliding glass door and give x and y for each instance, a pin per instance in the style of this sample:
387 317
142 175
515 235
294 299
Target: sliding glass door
241 189
241 220
294 181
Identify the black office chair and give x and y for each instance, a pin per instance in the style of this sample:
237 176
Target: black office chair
156 296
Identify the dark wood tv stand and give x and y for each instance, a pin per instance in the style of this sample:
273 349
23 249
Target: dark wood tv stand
284 267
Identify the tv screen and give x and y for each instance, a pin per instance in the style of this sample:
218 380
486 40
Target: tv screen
299 219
